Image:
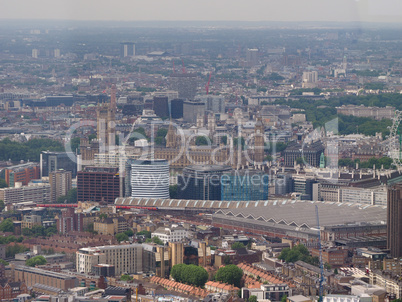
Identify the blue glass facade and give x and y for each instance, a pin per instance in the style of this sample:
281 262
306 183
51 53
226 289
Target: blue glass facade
244 186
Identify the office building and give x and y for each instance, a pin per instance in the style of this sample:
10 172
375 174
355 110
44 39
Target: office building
127 49
35 53
56 53
39 193
172 234
308 188
283 183
272 292
105 270
161 106
252 57
57 100
33 276
176 108
310 77
99 184
176 252
150 179
127 259
51 161
245 185
309 153
185 84
394 221
60 184
192 109
29 221
214 103
69 221
202 182
23 173
155 259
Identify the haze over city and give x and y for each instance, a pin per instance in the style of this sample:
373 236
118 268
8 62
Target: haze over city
208 10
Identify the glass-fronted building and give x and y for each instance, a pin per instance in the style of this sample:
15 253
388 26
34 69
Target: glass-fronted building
243 185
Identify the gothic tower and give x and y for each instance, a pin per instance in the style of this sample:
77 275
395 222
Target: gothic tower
105 115
171 140
259 141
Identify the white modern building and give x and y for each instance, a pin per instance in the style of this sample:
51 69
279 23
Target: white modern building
150 179
172 234
125 258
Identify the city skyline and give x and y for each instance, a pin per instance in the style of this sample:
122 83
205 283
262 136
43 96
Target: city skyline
388 11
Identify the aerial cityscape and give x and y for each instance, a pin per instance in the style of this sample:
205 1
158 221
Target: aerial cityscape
183 157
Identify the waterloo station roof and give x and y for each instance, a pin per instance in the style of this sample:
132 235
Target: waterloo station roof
286 212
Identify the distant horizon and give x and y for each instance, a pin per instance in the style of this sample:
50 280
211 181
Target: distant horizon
362 11
207 23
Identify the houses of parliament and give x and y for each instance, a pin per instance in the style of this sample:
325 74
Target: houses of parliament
179 153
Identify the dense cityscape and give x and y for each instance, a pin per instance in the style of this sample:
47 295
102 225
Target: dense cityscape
200 161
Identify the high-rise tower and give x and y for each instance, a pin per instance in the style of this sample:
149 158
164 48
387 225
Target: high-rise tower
259 142
394 221
105 114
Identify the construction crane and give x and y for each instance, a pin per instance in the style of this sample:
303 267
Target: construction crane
209 81
321 278
183 68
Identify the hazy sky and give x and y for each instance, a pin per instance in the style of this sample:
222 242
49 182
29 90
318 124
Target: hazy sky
238 10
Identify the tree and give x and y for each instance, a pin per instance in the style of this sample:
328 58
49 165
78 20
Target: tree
298 252
102 216
227 260
147 234
7 225
2 205
173 189
38 230
4 262
224 139
201 141
230 274
126 278
236 142
129 232
138 133
162 132
190 274
49 231
71 197
336 272
11 250
237 245
252 298
37 260
3 183
157 240
121 237
284 298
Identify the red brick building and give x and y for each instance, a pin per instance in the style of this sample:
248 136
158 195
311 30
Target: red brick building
335 257
23 173
10 289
